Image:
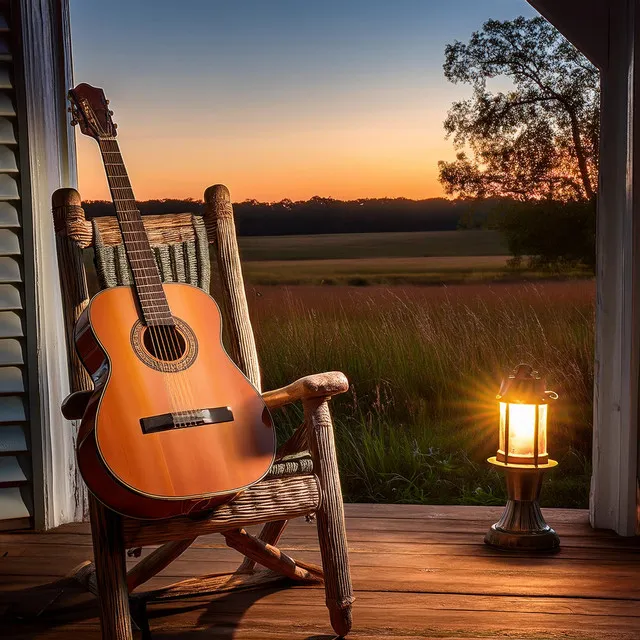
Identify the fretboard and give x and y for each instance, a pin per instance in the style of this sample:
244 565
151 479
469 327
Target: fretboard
147 283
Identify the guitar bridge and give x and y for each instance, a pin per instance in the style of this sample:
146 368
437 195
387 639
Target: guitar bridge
186 419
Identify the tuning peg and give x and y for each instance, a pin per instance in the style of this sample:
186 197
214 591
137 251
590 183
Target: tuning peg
107 101
74 122
70 109
115 126
110 113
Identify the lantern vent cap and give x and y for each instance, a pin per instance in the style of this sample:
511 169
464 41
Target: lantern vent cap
525 386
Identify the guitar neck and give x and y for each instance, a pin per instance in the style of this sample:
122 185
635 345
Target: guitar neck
146 278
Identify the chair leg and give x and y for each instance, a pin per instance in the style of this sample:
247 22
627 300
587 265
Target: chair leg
271 557
330 516
111 572
156 561
270 534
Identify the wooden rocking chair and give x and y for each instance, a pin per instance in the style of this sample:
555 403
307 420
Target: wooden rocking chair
303 480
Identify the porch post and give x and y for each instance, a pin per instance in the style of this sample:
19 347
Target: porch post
615 440
607 31
49 163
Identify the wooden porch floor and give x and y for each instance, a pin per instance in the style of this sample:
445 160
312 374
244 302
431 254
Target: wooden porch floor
419 572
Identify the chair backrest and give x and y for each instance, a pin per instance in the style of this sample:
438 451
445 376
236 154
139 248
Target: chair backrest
180 243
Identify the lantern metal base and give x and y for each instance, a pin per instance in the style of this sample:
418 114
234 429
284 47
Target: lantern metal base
522 526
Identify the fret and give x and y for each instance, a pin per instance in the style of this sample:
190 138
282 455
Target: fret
147 282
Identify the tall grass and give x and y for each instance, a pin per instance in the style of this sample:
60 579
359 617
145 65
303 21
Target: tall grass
425 365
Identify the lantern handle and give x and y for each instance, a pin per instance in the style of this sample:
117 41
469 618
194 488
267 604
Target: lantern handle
551 394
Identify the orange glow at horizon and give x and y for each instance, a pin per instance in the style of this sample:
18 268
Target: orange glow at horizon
378 155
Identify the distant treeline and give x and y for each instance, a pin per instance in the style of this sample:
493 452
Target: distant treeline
326 215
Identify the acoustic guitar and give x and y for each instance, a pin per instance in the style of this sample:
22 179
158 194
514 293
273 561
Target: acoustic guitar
173 426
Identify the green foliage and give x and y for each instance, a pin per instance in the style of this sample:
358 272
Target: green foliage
539 139
550 233
321 215
352 246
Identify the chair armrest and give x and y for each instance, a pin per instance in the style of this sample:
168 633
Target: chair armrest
75 404
320 385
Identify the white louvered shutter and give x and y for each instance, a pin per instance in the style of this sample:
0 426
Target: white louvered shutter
15 463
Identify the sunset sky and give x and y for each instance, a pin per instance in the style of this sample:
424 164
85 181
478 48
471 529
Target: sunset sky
275 98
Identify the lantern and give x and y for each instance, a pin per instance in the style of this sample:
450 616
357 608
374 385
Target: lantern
522 454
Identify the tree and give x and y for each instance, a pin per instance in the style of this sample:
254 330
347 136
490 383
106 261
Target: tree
537 140
550 233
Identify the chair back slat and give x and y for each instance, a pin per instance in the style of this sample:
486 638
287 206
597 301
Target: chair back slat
68 220
221 229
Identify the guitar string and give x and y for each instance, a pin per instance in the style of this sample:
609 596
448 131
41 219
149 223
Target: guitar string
137 267
163 336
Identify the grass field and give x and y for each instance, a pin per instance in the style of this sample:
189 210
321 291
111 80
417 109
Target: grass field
373 245
425 364
385 258
393 271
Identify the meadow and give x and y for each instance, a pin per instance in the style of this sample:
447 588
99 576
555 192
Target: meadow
425 365
406 258
335 246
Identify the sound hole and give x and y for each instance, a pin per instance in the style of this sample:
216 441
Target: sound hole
164 342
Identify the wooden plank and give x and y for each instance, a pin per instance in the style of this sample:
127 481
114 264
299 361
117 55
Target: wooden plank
268 614
483 576
16 524
425 543
378 616
214 549
453 512
299 597
211 547
303 533
576 520
443 556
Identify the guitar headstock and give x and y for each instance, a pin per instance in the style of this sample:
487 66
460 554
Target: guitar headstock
89 108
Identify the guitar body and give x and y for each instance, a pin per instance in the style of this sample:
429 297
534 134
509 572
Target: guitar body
166 435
